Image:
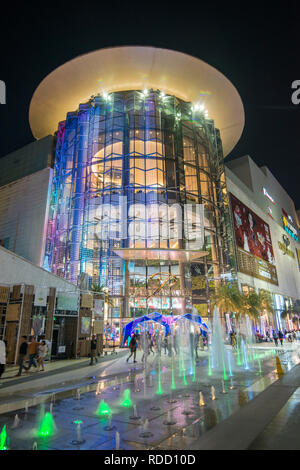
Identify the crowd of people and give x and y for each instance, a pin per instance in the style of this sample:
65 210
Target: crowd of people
34 350
158 343
275 336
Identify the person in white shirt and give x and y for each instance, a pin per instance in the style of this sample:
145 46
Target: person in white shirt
42 350
2 357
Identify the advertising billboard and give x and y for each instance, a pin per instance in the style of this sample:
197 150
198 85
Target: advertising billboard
254 245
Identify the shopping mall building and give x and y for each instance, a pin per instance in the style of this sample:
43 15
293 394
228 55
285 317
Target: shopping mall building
125 187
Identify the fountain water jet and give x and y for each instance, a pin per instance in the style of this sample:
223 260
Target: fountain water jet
47 427
135 415
218 349
145 433
223 387
103 409
16 422
169 421
117 439
3 438
126 398
79 439
109 427
201 399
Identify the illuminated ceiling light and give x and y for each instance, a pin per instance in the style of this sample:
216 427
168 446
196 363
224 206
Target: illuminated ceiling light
198 107
105 95
145 92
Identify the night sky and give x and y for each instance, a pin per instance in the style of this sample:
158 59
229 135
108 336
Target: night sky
257 47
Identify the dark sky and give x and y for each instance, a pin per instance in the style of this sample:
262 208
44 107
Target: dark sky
257 46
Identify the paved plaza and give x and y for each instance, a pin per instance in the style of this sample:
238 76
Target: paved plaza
116 405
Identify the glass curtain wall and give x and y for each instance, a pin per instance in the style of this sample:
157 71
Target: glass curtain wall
152 149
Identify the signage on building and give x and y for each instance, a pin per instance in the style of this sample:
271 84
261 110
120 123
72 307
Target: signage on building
288 225
270 213
40 297
99 307
253 240
67 302
298 257
268 196
284 246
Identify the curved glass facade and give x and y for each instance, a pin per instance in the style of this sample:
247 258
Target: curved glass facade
137 149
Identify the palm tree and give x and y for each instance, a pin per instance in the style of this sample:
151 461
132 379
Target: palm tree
249 305
226 298
265 303
103 291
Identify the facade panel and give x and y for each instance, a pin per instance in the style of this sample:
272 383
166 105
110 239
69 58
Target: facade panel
24 213
125 165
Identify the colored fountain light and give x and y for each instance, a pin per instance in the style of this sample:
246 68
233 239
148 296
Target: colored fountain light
126 398
103 409
3 438
201 399
47 426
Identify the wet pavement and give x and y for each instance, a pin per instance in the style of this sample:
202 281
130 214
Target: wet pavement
164 418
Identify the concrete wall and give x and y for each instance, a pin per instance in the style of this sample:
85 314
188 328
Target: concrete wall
27 160
17 270
24 213
288 271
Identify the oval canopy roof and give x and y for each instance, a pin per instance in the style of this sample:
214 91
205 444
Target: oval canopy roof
137 68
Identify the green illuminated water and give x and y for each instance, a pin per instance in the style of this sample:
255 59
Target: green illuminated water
159 390
224 370
103 409
47 426
3 438
173 385
209 365
126 400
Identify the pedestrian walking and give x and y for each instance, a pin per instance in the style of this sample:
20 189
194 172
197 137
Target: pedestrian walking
145 344
197 338
275 337
93 350
22 354
2 357
280 336
151 343
166 345
132 347
32 351
42 349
